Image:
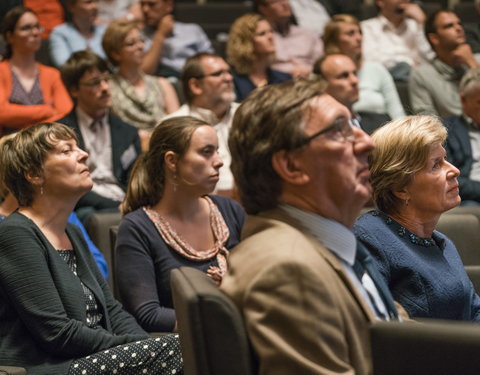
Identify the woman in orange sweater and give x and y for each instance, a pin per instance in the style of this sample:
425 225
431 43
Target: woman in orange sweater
30 92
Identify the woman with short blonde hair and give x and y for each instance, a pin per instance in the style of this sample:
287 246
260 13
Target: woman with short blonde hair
250 51
413 184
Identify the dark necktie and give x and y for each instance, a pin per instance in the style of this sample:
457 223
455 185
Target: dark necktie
364 263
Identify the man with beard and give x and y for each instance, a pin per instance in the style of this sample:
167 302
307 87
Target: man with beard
395 37
208 87
433 86
112 144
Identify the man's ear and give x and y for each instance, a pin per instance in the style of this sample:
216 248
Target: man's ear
289 168
195 89
171 160
433 39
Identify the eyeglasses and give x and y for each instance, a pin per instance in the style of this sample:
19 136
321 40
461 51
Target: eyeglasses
29 28
95 82
218 73
133 42
340 130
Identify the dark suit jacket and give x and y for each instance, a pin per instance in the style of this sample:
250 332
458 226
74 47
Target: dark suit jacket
124 139
42 303
459 153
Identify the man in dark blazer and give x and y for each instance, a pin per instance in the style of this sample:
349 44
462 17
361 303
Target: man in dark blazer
463 143
302 175
112 144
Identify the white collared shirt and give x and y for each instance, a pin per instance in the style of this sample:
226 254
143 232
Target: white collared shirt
389 45
342 242
98 144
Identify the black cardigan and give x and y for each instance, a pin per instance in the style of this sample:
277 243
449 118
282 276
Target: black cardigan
42 305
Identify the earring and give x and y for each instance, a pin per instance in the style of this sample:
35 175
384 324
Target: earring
174 183
41 190
406 202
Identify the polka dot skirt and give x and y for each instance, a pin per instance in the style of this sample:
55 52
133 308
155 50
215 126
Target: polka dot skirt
151 356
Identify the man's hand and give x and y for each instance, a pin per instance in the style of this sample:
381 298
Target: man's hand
463 55
414 12
165 26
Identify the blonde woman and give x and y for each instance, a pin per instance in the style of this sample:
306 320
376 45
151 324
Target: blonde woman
137 98
250 52
413 184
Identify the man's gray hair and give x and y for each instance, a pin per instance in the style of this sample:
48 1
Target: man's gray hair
470 81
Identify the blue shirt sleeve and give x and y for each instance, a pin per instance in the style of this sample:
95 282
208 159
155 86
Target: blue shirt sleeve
97 255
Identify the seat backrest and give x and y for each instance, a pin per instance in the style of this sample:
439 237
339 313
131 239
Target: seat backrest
113 268
212 335
99 230
433 347
9 370
473 273
464 230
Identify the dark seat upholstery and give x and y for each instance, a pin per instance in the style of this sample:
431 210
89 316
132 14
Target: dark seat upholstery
473 273
427 348
464 230
212 334
99 230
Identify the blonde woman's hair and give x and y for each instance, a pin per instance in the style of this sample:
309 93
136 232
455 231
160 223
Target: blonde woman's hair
401 150
115 35
240 49
332 32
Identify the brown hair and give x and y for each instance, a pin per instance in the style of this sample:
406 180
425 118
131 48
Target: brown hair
332 31
25 153
147 179
115 35
269 120
8 24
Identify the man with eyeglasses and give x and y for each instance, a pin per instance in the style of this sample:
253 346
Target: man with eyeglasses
209 93
169 43
297 48
112 144
303 285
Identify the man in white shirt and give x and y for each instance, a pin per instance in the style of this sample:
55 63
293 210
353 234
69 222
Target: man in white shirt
395 37
302 175
208 88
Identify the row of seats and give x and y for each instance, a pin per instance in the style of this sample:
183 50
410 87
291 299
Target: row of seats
213 337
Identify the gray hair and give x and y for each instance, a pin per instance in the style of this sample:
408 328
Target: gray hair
470 81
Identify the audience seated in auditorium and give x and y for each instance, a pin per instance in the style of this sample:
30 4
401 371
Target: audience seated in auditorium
171 221
29 92
433 86
302 175
113 145
169 43
208 88
110 10
9 204
80 33
296 48
413 184
395 37
340 72
463 142
138 99
377 91
472 32
58 315
250 51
